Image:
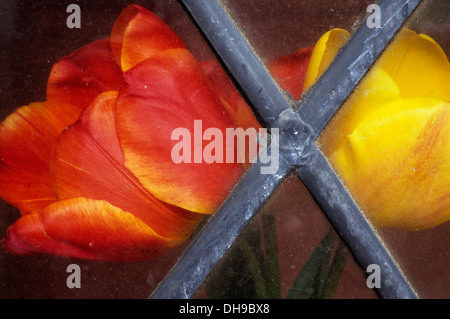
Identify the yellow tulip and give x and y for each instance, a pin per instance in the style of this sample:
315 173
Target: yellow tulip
390 142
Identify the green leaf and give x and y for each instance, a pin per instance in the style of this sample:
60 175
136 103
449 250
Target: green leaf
254 267
272 266
311 278
335 272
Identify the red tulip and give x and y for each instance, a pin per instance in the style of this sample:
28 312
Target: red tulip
90 169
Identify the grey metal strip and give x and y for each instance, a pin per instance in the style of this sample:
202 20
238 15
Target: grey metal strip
239 58
222 229
315 111
367 249
324 98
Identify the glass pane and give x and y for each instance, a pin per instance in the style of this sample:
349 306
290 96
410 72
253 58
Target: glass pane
287 244
283 33
390 145
90 159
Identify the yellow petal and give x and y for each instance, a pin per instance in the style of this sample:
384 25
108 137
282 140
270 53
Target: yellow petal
418 65
376 89
324 52
395 163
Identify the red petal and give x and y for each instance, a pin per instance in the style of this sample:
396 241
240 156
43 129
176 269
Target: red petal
26 141
138 34
166 92
289 71
80 77
232 101
99 122
95 170
85 228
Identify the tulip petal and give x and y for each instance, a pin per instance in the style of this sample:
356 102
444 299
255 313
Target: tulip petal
418 65
394 163
289 71
323 54
95 170
79 78
88 229
99 121
375 90
138 34
26 142
238 110
166 92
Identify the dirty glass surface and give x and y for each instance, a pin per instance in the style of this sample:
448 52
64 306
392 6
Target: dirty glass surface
283 33
31 31
389 144
289 250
